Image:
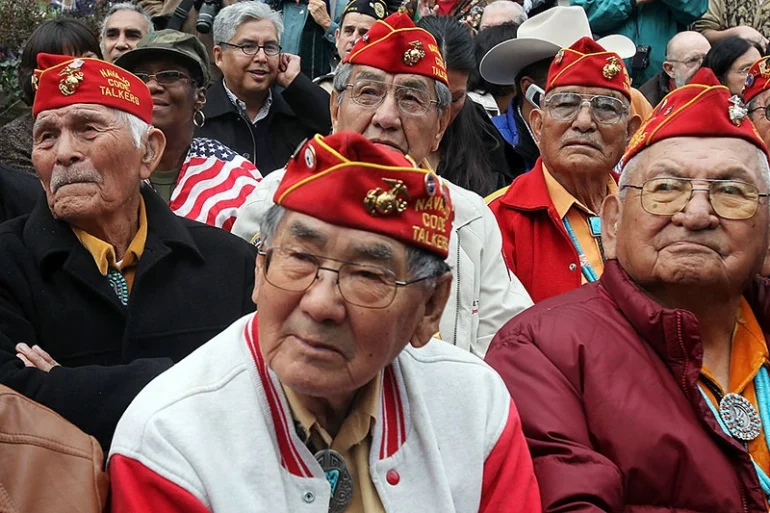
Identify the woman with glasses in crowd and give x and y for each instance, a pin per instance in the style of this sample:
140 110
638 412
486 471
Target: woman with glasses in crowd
730 60
200 178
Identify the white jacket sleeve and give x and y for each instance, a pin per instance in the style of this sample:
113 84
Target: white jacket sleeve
250 214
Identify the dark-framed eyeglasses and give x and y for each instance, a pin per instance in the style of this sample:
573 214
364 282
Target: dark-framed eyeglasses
367 286
371 94
604 109
163 77
730 199
766 108
692 61
271 49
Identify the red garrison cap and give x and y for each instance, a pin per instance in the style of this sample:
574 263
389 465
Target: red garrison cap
397 45
587 63
702 108
757 80
63 80
346 180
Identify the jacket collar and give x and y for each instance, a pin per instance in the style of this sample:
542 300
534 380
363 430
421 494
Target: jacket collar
219 104
390 428
51 241
529 191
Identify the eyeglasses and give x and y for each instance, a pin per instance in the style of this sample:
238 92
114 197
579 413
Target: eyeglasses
730 199
766 108
371 93
692 61
271 49
163 77
604 109
362 285
743 71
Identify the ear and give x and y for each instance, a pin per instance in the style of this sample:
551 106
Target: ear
200 96
218 56
259 265
153 151
443 123
536 124
612 208
524 84
334 108
633 125
668 69
336 35
434 307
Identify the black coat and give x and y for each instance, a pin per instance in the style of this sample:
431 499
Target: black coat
19 192
192 281
656 88
298 112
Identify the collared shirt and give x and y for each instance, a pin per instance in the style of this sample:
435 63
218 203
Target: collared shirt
577 214
747 355
353 441
104 253
241 105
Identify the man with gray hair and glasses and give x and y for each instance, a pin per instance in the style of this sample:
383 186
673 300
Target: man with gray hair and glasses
392 89
125 24
263 107
655 378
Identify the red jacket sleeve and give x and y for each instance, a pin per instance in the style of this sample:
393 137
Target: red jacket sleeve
571 474
135 488
509 479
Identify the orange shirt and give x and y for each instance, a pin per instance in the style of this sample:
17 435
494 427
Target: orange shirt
577 214
747 355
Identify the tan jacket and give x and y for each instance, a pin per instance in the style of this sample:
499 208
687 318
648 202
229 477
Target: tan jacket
725 14
46 463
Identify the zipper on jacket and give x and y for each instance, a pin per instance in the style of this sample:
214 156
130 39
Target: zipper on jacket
457 274
250 127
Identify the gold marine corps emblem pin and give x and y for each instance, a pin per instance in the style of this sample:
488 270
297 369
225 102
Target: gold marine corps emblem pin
379 202
415 54
764 69
72 78
612 68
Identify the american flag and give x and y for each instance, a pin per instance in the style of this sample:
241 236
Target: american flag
213 182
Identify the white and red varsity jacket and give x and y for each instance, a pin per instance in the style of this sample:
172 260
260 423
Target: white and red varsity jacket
215 434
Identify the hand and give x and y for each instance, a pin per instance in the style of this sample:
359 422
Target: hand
750 34
642 2
288 69
36 357
424 8
318 12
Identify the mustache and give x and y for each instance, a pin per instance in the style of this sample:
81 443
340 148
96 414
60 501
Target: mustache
62 176
590 141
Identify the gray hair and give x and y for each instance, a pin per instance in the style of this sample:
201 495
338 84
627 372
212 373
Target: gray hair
518 14
419 262
136 126
763 168
345 71
233 16
126 6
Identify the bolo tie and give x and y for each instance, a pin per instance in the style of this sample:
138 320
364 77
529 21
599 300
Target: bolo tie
335 470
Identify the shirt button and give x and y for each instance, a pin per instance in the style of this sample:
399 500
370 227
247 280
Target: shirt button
572 266
392 477
309 497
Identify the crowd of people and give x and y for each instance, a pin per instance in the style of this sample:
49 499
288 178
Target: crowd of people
383 256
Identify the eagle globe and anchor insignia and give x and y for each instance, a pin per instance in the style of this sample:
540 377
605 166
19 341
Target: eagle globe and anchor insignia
72 78
379 202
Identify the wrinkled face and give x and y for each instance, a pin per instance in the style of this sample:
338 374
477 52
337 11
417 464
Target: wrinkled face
736 76
354 26
694 247
173 104
686 59
758 116
87 162
246 75
416 136
582 144
458 86
123 31
318 344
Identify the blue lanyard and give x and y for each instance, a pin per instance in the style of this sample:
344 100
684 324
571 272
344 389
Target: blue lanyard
762 386
585 265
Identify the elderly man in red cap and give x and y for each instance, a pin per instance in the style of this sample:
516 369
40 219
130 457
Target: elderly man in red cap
549 217
332 398
756 94
102 287
392 88
649 390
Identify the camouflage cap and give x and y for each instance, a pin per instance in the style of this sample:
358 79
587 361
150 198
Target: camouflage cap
170 43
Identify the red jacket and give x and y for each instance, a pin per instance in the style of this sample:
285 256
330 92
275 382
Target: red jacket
536 246
605 380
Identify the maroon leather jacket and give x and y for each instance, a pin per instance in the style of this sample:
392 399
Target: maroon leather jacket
605 380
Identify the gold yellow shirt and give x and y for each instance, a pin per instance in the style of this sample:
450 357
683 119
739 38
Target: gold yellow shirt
353 441
747 355
577 214
104 253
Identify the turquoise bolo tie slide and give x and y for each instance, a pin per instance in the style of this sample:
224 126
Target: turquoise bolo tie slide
595 224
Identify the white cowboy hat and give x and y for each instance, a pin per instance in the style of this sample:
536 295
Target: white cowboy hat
541 37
